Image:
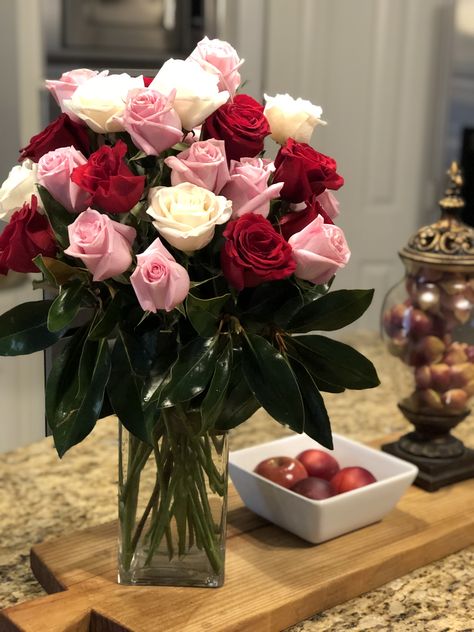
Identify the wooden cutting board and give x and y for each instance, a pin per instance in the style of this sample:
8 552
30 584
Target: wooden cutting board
273 579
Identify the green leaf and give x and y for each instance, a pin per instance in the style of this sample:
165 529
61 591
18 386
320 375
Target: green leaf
124 391
331 311
66 306
265 302
335 362
57 272
317 424
204 313
239 403
166 354
214 399
75 390
108 320
24 330
191 373
272 381
58 216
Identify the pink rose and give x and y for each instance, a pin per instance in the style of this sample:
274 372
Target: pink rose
329 202
320 250
158 280
219 58
151 120
102 244
203 164
248 187
54 173
65 87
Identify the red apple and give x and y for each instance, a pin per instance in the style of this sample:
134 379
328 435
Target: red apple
313 487
282 470
319 463
351 478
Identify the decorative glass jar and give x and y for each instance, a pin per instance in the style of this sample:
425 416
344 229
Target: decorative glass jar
427 322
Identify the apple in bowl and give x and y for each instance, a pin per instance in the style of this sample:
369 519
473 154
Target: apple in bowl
282 470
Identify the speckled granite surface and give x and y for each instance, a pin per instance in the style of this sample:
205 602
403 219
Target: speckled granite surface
41 497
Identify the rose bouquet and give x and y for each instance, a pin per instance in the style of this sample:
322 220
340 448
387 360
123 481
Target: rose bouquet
186 273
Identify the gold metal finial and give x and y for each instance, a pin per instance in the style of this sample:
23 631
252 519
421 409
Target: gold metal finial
452 196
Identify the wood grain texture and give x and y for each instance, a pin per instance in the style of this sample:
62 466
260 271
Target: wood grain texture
273 579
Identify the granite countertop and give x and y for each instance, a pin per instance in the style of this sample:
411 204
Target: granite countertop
42 497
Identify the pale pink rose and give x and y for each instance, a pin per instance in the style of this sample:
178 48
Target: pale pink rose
158 280
248 187
103 244
54 173
151 121
64 88
203 164
320 250
329 202
220 58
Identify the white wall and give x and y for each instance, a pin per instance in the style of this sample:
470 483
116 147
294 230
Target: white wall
380 70
21 379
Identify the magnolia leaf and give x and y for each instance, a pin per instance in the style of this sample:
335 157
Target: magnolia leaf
333 361
272 381
24 329
331 311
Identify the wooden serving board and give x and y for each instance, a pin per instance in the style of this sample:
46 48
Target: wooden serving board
273 579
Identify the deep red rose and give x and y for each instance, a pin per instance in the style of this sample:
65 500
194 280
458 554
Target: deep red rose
254 252
294 221
62 132
304 171
112 186
147 81
27 235
240 124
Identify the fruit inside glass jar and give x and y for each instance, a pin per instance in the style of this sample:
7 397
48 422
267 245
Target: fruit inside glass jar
427 323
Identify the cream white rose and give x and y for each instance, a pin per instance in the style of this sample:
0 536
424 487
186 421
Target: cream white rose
197 92
186 215
17 188
291 118
100 101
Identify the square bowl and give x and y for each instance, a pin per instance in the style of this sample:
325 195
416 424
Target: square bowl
320 520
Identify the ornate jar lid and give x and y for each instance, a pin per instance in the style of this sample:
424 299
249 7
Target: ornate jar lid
447 244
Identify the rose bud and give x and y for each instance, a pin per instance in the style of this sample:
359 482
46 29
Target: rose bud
469 388
454 285
397 345
456 354
423 377
440 376
430 399
455 399
461 374
418 324
428 297
399 314
429 275
428 350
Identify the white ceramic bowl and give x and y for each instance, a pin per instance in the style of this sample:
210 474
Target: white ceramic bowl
320 520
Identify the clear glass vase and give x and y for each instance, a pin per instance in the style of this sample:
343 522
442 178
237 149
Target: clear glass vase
172 506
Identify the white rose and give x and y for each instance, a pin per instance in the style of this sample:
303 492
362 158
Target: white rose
291 118
100 100
186 215
17 188
197 92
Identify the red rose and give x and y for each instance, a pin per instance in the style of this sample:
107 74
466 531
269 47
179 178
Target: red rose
240 124
27 235
294 221
112 186
304 171
147 81
62 132
254 252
